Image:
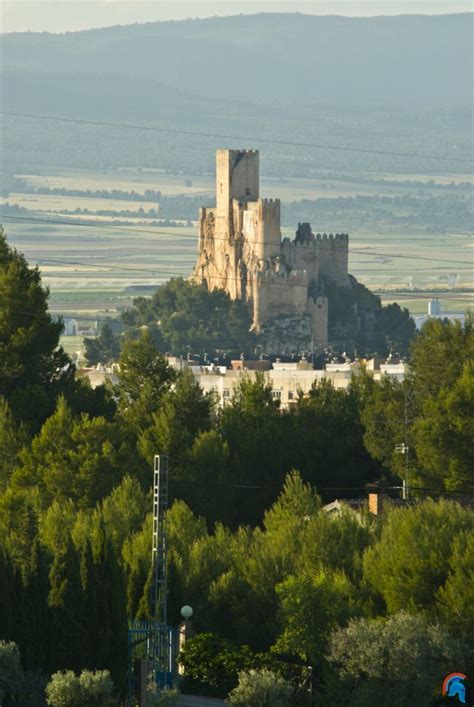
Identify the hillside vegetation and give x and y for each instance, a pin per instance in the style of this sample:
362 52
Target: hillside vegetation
363 604
365 83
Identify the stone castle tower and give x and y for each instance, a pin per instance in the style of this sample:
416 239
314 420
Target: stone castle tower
241 251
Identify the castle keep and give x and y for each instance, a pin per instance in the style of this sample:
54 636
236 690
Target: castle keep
241 251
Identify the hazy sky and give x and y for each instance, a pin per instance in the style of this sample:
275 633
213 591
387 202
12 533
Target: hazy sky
69 15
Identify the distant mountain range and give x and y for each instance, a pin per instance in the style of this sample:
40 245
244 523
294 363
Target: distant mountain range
272 59
400 84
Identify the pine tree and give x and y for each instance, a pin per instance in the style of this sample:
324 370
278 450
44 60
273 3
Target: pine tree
33 370
12 438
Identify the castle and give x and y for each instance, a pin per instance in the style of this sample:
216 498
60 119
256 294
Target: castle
241 251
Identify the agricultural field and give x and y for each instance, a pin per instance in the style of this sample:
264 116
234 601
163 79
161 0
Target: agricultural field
125 179
97 270
56 204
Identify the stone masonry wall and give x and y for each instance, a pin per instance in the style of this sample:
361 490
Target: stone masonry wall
241 252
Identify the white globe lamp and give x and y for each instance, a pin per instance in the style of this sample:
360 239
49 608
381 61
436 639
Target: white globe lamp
186 612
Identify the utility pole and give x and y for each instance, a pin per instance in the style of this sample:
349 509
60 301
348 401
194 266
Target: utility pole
159 607
407 450
160 650
150 642
404 448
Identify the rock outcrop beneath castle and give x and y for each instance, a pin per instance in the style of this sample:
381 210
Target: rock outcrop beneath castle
241 251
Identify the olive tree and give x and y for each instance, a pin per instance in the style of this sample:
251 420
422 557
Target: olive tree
261 688
89 689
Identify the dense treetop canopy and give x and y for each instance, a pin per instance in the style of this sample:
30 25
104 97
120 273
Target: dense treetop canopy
250 543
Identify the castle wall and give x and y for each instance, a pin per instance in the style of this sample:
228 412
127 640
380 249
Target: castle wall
237 177
278 293
319 310
261 228
241 251
323 256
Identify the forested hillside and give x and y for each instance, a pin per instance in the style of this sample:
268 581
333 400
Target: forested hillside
272 58
275 582
358 82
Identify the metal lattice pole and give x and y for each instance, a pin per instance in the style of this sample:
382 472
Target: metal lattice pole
160 645
160 506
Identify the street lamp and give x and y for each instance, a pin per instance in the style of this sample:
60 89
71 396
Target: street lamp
186 612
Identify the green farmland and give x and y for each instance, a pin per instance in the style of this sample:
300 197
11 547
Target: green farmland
95 270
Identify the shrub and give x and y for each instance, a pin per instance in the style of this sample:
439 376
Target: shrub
399 660
212 664
160 698
11 672
261 688
89 689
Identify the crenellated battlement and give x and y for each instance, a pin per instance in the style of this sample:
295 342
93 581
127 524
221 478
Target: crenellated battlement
241 249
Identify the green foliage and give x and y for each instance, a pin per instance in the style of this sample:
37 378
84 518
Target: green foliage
89 689
11 672
455 599
33 370
287 520
184 412
123 512
80 459
261 688
444 435
160 698
19 527
443 385
12 438
205 483
212 664
310 607
383 414
136 558
400 660
254 431
397 328
336 543
328 414
358 319
266 570
186 317
439 354
8 595
141 364
144 377
437 401
410 563
56 525
104 348
296 502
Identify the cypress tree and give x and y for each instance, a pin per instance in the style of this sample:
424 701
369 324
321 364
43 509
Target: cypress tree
7 596
68 616
110 609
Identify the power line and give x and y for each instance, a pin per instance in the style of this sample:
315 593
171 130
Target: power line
158 272
55 222
246 138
